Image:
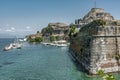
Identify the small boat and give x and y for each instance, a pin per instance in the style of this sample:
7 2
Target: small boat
10 46
53 44
21 40
17 44
61 43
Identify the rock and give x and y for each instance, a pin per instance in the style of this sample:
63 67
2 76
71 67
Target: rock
59 30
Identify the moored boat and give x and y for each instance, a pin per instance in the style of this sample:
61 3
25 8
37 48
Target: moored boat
10 46
61 43
16 45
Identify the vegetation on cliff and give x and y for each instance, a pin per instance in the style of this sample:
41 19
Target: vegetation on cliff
55 32
47 30
52 38
72 31
99 22
92 28
105 76
37 38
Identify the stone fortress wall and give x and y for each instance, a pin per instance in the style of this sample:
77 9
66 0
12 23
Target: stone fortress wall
97 47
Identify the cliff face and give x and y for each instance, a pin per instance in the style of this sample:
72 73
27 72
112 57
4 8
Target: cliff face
34 38
56 30
96 46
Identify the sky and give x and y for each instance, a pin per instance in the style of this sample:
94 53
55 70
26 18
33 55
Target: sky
23 17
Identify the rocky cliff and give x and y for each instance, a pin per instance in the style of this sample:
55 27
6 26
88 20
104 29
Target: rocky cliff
57 31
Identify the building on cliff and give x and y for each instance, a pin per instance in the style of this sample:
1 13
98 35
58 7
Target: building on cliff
55 31
93 14
97 44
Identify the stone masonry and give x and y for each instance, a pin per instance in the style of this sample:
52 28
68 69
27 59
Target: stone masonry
97 46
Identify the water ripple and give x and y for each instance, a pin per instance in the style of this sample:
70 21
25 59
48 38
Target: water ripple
7 63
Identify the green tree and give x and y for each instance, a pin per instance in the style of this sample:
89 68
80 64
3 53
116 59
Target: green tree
72 30
49 30
105 76
100 22
38 39
52 38
38 32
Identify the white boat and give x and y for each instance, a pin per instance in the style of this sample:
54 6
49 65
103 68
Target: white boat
61 43
53 44
21 40
17 44
10 46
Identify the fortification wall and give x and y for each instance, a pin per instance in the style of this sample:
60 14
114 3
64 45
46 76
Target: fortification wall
104 50
97 52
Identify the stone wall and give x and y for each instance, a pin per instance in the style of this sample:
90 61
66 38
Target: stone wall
97 43
96 52
103 53
96 47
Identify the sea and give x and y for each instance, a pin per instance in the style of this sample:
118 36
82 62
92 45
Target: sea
39 62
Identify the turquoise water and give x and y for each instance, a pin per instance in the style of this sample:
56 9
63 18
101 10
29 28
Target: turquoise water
38 62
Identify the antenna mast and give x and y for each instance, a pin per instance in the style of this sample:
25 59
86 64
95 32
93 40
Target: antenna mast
95 4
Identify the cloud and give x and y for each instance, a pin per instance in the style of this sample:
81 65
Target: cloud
12 28
28 27
8 30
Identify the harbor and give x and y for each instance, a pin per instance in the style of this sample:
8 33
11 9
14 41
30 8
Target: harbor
59 40
38 62
35 61
61 43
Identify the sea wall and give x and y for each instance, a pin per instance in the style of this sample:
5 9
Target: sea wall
104 50
97 52
97 47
